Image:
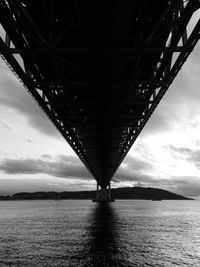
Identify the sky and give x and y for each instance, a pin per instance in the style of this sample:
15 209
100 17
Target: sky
35 157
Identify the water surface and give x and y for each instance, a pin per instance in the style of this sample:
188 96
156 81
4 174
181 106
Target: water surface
85 234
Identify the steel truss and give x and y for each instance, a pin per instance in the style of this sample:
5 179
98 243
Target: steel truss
98 69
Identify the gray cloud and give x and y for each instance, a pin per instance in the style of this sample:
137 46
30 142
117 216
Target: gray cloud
135 171
6 125
71 169
46 157
181 150
11 186
136 164
192 155
64 167
183 185
30 141
13 95
181 101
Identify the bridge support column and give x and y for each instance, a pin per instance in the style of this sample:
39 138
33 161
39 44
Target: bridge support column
103 194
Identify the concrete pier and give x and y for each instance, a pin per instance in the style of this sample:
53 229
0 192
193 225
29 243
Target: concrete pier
103 194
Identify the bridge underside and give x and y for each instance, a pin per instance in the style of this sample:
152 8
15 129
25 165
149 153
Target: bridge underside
98 69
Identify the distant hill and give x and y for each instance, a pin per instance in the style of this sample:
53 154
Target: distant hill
145 193
118 193
4 193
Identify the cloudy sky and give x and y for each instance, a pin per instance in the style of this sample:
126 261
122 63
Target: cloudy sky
34 156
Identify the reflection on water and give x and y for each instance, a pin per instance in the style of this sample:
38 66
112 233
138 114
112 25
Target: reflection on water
103 247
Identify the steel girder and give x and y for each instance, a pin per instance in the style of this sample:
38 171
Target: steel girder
98 69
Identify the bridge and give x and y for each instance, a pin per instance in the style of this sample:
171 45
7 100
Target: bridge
98 68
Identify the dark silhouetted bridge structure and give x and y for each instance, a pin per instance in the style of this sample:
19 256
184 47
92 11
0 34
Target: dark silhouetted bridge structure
98 68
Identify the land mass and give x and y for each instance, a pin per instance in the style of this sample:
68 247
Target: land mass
146 193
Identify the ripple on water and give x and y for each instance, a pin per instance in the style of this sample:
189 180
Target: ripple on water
86 234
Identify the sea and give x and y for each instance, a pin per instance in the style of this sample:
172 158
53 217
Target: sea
80 233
